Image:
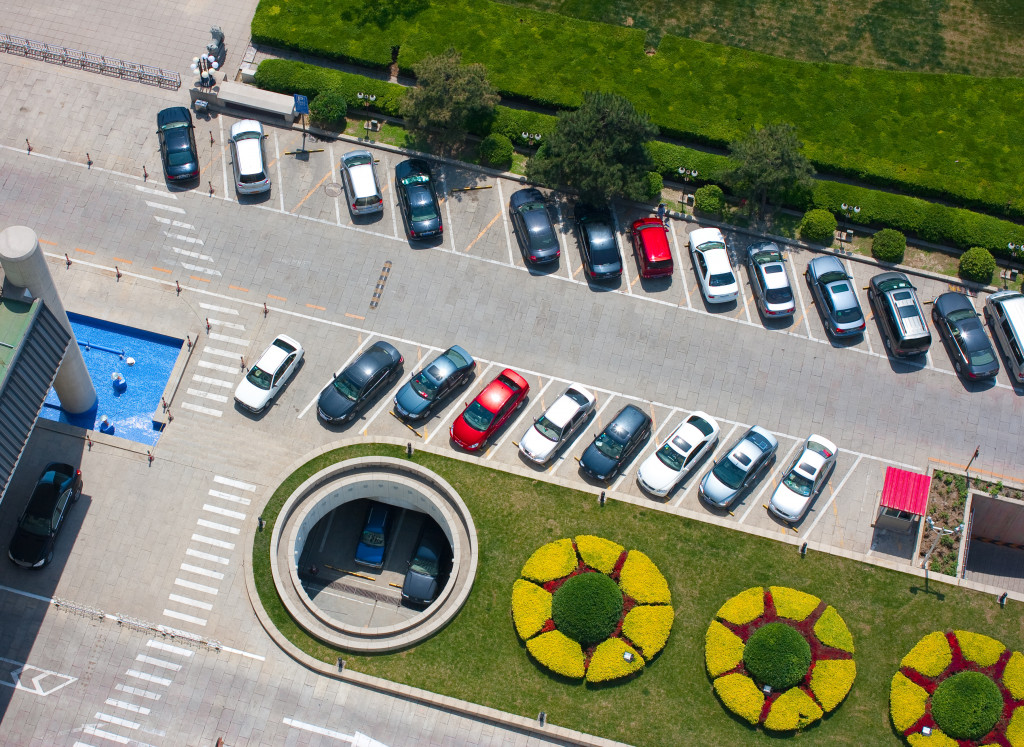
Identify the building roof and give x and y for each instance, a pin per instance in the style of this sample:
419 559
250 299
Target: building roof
15 319
906 491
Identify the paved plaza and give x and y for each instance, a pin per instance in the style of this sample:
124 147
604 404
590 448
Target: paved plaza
164 541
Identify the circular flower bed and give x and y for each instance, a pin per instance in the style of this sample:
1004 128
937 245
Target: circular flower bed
779 657
588 608
959 688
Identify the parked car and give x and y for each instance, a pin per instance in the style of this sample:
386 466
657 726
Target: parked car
556 426
965 338
1004 312
414 183
804 480
894 299
612 449
531 223
714 270
430 387
421 580
359 177
650 243
770 280
489 411
356 385
265 380
178 152
57 488
596 235
740 468
835 297
374 537
248 159
690 442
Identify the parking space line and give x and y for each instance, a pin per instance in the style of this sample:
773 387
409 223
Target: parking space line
480 235
770 480
449 232
310 193
504 220
223 160
341 368
678 500
800 297
387 400
454 406
652 441
394 203
832 497
277 161
866 335
679 263
618 243
743 292
564 243
512 424
337 201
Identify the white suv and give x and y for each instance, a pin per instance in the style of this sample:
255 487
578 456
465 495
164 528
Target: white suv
248 159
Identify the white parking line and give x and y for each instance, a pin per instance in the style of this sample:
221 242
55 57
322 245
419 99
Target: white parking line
161 646
185 618
168 208
223 160
221 309
562 241
201 410
386 401
219 527
207 556
795 280
832 497
202 571
127 706
622 255
148 678
189 602
213 382
510 426
504 221
342 367
853 280
190 253
454 407
679 263
280 181
195 587
229 497
694 479
568 447
337 202
652 443
224 512
158 663
157 192
235 483
207 395
780 465
147 694
449 232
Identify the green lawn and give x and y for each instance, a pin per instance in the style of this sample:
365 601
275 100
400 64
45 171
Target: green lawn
479 658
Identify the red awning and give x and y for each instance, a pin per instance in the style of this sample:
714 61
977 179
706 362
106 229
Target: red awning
905 491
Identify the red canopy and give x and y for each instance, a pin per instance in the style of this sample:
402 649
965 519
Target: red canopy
905 491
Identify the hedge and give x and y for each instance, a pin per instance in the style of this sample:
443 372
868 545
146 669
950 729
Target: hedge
777 655
926 134
818 226
587 607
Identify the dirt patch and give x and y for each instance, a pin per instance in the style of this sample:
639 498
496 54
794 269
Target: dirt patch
932 261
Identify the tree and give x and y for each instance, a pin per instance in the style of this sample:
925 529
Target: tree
598 150
447 96
768 163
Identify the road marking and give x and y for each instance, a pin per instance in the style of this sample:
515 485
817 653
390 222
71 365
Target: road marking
158 663
188 601
193 255
344 365
355 739
447 211
622 256
195 587
212 382
157 192
218 367
185 618
310 193
234 483
504 221
229 497
94 732
207 556
148 678
199 268
186 239
147 694
200 409
795 280
454 406
207 395
223 512
221 309
219 527
227 338
161 646
385 404
127 706
780 464
832 497
175 223
337 202
202 571
682 270
481 234
562 242
280 181
678 500
168 208
232 354
116 721
512 424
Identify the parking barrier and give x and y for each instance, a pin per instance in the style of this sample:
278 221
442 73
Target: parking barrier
28 145
468 189
67 259
177 287
145 174
88 160
117 274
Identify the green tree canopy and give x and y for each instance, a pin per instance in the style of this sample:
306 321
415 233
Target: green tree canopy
598 150
768 163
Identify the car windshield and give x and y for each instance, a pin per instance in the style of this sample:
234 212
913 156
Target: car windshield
893 284
174 125
424 386
371 538
416 179
960 315
248 136
477 416
670 458
832 277
981 357
729 474
456 358
702 425
548 429
798 483
360 160
708 246
723 278
768 255
346 388
37 525
259 378
426 566
179 157
820 448
608 446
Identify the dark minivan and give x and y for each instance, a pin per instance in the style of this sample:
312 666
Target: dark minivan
904 328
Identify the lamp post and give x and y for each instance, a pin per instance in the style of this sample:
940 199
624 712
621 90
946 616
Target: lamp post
367 99
687 173
206 65
940 532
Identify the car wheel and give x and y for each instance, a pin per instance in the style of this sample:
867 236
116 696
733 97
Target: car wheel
935 316
888 345
957 366
988 318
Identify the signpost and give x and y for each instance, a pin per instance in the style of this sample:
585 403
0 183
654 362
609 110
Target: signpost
302 108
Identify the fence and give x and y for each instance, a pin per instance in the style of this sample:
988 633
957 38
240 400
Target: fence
87 61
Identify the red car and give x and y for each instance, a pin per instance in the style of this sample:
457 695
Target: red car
650 242
489 411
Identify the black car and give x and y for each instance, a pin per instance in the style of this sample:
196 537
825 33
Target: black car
532 225
431 386
616 444
421 583
969 347
58 487
178 151
357 384
594 228
414 184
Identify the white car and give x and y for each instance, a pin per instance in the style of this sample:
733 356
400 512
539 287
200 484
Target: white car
689 442
270 374
804 480
248 160
714 269
559 422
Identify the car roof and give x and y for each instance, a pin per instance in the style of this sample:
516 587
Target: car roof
172 115
688 433
629 417
250 155
412 167
774 274
826 263
363 181
246 125
809 464
494 395
748 449
1013 306
562 409
536 217
274 355
653 238
369 363
717 260
43 500
524 196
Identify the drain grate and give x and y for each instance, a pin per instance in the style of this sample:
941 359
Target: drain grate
333 189
378 291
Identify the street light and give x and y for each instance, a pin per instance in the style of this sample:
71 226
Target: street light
205 65
687 173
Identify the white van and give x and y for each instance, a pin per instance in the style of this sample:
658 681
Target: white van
248 159
1004 312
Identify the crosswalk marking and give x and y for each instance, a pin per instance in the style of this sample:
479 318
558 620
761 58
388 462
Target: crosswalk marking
161 646
215 542
228 338
229 497
212 382
157 192
186 239
202 571
207 556
221 309
193 255
219 527
234 483
218 367
229 325
127 706
163 681
208 395
176 224
223 512
94 732
194 586
200 268
200 409
158 663
160 206
222 353
147 694
186 618
188 601
117 721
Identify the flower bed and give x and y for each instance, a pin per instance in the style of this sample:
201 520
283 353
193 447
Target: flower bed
964 688
784 637
588 608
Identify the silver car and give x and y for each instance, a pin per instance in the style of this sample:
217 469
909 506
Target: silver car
557 425
248 160
835 296
359 176
740 468
769 279
805 479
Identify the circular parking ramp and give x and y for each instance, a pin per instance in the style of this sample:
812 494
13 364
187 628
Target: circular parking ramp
306 518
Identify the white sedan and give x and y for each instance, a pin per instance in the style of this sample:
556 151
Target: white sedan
714 269
689 443
270 374
804 480
566 415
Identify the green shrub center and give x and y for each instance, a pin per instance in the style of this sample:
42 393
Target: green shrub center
777 655
587 607
967 705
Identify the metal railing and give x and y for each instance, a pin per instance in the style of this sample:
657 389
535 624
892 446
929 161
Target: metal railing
87 61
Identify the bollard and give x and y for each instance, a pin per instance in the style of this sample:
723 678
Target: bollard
163 403
117 273
207 325
88 160
341 664
211 137
542 717
408 449
803 550
601 499
261 522
67 259
170 418
188 341
1002 599
145 174
28 145
88 440
265 309
211 188
177 286
150 455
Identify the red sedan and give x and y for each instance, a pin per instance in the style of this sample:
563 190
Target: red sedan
489 411
650 242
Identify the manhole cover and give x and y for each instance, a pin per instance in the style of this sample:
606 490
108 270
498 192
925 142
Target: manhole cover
333 189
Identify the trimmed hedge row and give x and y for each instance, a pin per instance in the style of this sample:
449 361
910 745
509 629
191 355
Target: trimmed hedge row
926 134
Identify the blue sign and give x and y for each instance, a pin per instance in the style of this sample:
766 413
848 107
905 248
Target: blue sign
301 103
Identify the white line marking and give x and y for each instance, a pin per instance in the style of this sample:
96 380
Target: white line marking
94 732
780 465
161 646
230 650
207 556
186 239
280 181
223 160
201 410
214 542
449 229
190 253
678 500
207 395
221 309
337 202
511 425
186 618
795 280
504 221
218 367
832 497
223 353
136 691
148 678
455 405
342 367
169 208
188 601
235 483
202 571
386 400
198 268
679 256
562 243
219 527
229 497
622 256
318 730
195 587
213 382
158 663
229 325
127 706
116 721
157 192
223 512
227 338
175 223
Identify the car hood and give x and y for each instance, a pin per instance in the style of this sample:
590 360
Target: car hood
537 445
787 502
370 555
656 475
464 434
252 396
597 463
715 491
28 549
419 587
410 401
332 404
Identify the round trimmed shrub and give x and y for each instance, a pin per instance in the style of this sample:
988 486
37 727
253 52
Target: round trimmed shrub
587 607
328 107
967 705
977 264
889 245
653 184
496 150
709 199
818 226
777 655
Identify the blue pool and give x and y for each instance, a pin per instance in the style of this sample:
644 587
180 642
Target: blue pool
106 348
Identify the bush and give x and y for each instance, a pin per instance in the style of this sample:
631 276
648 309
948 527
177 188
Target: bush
977 264
328 107
818 226
587 607
709 199
777 655
889 245
967 705
496 150
653 184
